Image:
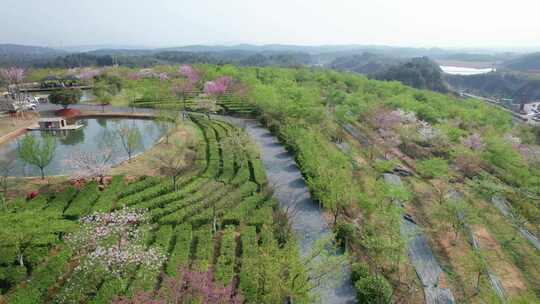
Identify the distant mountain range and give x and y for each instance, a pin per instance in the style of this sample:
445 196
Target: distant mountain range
382 62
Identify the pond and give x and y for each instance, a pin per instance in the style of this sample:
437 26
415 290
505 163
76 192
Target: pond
454 70
97 134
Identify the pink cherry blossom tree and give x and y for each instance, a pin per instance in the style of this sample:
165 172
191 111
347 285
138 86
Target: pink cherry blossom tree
218 86
13 75
190 73
474 142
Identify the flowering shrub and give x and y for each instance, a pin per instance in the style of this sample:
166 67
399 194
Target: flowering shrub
188 287
113 241
31 195
110 246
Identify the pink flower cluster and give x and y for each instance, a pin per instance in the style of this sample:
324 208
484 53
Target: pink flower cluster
387 120
189 286
12 75
190 73
97 227
218 86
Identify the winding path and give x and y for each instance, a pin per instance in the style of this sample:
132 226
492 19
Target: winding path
292 193
290 190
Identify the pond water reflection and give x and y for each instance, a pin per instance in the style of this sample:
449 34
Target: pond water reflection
97 135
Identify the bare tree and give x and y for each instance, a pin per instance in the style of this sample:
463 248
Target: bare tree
87 165
130 138
6 167
175 159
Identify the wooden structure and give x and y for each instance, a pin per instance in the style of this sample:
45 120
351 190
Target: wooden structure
53 124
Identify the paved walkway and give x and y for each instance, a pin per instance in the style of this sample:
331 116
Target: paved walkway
292 193
421 256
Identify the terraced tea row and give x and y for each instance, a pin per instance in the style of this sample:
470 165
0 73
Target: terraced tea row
215 220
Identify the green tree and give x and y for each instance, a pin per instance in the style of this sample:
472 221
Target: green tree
37 153
65 97
433 168
455 214
373 289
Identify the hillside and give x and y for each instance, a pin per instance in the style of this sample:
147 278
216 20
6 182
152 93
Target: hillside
382 162
497 84
529 92
22 55
366 63
526 63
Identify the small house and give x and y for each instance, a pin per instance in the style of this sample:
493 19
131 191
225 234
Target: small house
52 123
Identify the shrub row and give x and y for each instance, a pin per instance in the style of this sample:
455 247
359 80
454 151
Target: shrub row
163 237
38 202
62 199
43 277
249 283
82 203
187 207
221 206
204 250
261 217
108 196
139 185
182 248
109 290
161 201
224 271
259 172
146 194
240 212
370 288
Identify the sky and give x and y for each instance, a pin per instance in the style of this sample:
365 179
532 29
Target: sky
163 23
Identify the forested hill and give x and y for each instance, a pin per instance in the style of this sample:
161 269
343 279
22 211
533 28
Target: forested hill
421 73
12 54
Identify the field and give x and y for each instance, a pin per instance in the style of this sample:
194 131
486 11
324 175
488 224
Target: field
470 180
220 218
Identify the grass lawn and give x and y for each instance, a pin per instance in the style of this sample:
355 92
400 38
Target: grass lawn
142 163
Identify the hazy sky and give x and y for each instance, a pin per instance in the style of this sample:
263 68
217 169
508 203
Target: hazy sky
444 23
